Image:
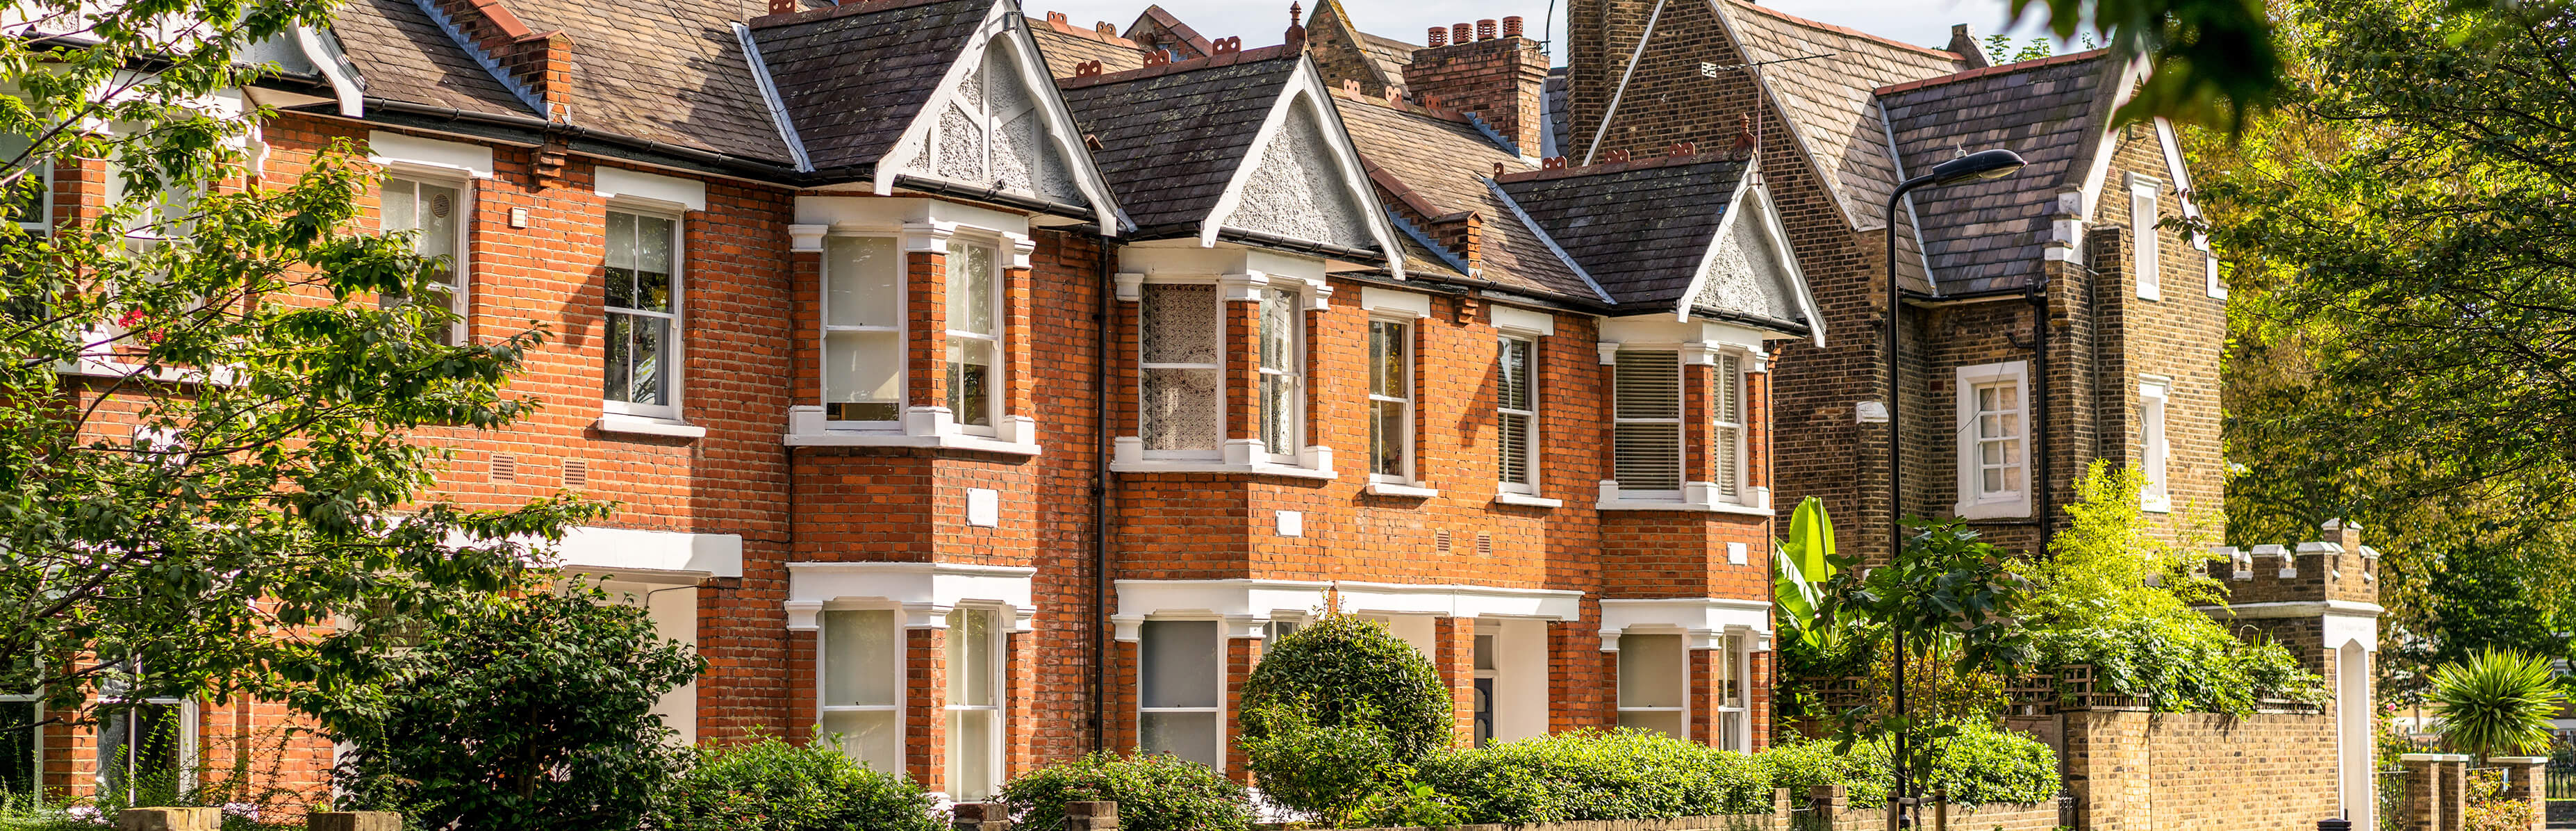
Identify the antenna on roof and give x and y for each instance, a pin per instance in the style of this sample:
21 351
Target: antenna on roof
1710 70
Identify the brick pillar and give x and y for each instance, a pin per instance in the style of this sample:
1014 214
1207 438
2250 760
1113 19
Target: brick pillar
925 751
2107 767
1091 816
979 816
1457 664
1697 380
2436 786
802 685
1241 655
1757 706
806 269
2526 779
1242 370
1704 694
1019 704
926 341
1016 358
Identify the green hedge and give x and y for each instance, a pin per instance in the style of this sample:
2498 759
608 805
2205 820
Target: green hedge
770 785
1154 792
1981 765
1595 775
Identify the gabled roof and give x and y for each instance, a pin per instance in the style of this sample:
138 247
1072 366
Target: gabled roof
1826 100
1650 233
1171 136
1988 236
1441 164
855 77
670 72
1159 27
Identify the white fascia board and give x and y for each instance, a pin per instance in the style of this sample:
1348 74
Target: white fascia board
595 550
1242 604
1458 600
926 592
1061 128
2181 177
1700 618
1887 127
325 58
2131 74
890 214
1661 331
1305 88
414 152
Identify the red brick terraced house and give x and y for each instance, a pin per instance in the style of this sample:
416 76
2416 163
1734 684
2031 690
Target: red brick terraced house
985 391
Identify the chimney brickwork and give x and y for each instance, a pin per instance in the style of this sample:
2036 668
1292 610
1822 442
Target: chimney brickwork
1497 78
540 63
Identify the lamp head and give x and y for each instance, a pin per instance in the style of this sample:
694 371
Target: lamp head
1976 167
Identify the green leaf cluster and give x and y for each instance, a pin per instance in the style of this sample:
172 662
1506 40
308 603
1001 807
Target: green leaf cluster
1154 792
2498 703
1344 670
1973 763
772 785
1596 775
534 715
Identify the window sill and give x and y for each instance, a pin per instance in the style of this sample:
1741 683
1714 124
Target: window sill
669 428
942 441
2163 507
2017 509
1678 505
1402 490
1527 501
1257 469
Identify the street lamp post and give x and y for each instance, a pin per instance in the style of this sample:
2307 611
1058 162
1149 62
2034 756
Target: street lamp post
1974 167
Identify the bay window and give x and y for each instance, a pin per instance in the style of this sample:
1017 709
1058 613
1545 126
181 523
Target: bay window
974 336
1646 424
1516 415
1654 683
434 213
863 670
863 331
1994 463
643 315
1390 401
1181 690
1283 361
974 750
1730 661
1726 442
1180 375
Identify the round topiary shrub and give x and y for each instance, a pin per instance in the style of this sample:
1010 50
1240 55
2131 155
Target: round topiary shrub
1154 792
770 785
1345 671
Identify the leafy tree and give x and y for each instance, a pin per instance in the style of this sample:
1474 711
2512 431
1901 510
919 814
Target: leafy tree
2497 703
205 414
1945 615
536 715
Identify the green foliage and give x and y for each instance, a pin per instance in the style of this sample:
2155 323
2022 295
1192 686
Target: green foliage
2213 61
1954 603
1325 772
1977 763
1591 774
535 715
2112 596
1804 565
771 785
1408 805
1154 792
275 487
2499 703
1345 670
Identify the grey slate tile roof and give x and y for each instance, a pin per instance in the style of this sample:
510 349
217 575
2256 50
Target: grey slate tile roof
1639 229
1552 99
856 76
1390 55
1827 100
1171 136
1988 236
404 56
1444 163
670 71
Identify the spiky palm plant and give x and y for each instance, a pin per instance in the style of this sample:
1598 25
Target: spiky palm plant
2499 702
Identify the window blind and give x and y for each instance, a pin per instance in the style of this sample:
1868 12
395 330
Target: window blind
1646 433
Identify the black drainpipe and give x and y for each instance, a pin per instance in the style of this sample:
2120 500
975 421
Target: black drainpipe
2044 482
1100 498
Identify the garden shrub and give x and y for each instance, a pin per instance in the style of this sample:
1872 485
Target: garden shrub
1348 670
1595 775
771 785
1154 792
1323 772
1981 764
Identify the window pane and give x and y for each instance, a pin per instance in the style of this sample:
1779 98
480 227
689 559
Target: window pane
1386 437
1648 384
970 657
438 217
874 739
1484 652
863 279
970 287
1180 324
1648 456
1651 670
1180 408
653 262
1514 446
621 260
1731 690
1277 419
1512 367
1191 736
864 368
970 754
1278 330
1386 359
1180 663
970 381
1670 722
859 667
401 201
635 349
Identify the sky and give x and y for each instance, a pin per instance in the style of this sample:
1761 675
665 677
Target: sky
1263 22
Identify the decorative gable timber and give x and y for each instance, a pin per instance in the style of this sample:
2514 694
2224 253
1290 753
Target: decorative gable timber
1303 180
1750 271
995 123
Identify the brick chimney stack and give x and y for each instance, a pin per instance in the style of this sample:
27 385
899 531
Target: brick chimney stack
1497 78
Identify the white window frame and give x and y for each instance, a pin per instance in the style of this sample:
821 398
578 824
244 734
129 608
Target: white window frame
673 351
1222 636
1411 332
1973 502
895 664
43 222
1216 296
2155 448
1294 376
1489 697
1618 677
1735 485
461 261
901 330
1731 657
1531 431
1681 442
997 634
2144 242
188 712
999 381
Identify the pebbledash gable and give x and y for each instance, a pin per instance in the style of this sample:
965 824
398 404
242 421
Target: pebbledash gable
984 390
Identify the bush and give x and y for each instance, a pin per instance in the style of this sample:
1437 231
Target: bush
1980 764
1596 775
1345 670
770 785
1324 772
534 715
1154 792
2497 703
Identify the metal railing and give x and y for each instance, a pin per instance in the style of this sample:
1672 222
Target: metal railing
2392 800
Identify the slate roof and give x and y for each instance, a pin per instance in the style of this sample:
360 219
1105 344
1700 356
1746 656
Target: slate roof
671 72
404 56
1171 136
1552 99
1390 55
1065 46
1640 229
1989 236
855 76
1827 100
1443 162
